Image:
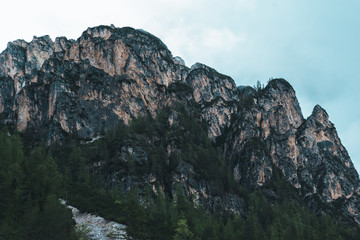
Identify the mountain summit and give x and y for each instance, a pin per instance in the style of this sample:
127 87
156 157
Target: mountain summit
110 76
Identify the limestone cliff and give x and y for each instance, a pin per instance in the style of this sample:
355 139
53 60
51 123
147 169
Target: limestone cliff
111 75
270 132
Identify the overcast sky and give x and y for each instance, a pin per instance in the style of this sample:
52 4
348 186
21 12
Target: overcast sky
312 44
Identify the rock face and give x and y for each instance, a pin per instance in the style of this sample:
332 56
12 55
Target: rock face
216 95
269 131
266 125
111 75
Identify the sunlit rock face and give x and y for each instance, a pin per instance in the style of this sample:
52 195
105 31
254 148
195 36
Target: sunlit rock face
269 131
216 95
105 77
264 130
111 75
327 170
108 75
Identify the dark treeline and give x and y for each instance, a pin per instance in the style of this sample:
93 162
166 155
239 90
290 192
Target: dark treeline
30 187
33 177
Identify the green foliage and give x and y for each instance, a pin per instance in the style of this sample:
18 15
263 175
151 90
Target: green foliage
166 216
77 167
33 178
54 219
136 217
259 86
30 185
182 231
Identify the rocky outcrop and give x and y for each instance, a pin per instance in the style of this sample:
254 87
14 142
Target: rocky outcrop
107 76
112 75
270 132
264 133
216 95
326 168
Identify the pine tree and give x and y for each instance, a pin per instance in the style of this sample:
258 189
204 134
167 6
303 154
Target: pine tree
182 232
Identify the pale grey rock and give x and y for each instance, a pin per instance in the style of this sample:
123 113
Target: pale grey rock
95 227
179 60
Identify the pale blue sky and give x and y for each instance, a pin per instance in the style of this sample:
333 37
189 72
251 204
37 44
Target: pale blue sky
312 44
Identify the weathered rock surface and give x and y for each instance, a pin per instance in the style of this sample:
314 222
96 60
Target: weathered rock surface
111 75
265 125
95 227
269 131
107 76
216 95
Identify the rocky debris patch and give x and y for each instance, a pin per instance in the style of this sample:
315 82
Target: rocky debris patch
96 227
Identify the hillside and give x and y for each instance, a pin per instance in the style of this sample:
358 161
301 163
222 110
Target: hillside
126 126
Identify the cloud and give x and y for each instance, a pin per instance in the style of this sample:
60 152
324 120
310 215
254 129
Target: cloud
202 44
221 39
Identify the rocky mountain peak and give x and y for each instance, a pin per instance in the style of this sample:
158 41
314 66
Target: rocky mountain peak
178 60
216 94
199 65
281 97
21 58
320 115
110 76
280 84
44 40
104 32
18 42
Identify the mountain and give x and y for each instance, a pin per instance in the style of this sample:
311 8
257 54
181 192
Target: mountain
111 77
